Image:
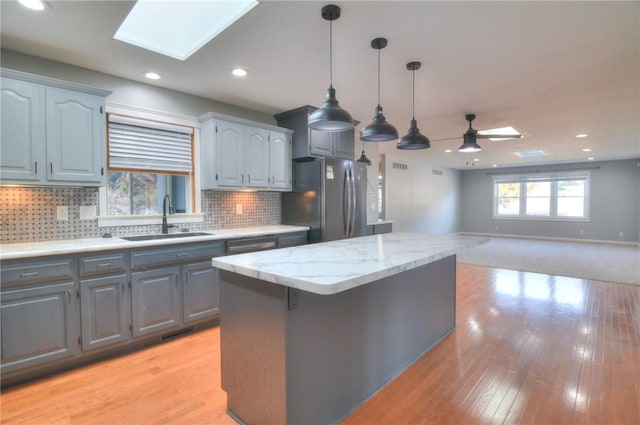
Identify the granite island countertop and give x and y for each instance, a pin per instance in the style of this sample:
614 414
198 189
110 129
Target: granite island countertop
10 251
332 267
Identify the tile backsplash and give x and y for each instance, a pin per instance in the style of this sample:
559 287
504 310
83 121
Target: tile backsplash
29 214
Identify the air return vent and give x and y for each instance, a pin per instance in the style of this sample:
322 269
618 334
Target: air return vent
400 166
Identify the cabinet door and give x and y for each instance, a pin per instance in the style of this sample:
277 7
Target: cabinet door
229 154
343 144
155 300
256 157
104 311
320 143
39 324
280 161
22 142
200 291
75 140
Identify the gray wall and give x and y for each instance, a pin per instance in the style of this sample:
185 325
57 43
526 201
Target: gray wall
128 92
419 200
614 207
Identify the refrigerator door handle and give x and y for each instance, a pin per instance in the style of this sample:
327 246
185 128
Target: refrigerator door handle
354 204
346 207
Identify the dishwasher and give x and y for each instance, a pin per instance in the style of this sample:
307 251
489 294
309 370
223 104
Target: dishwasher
253 244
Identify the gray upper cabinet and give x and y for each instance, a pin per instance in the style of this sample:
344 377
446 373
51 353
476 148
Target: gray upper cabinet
241 154
315 143
53 132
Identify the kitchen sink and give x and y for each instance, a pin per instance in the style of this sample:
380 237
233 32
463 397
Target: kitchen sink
166 236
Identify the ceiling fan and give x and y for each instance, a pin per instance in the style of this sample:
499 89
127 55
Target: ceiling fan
470 137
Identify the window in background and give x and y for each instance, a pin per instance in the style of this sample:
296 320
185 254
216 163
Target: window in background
550 196
148 160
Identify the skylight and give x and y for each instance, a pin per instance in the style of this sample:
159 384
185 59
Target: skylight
501 131
179 28
531 154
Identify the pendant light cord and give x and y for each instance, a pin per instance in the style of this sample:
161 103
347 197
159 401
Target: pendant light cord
379 77
413 102
330 53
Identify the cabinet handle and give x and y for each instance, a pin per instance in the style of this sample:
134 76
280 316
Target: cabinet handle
102 171
242 175
103 266
122 287
36 164
51 168
249 175
30 274
69 295
181 254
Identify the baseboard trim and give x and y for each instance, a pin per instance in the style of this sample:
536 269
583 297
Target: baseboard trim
548 238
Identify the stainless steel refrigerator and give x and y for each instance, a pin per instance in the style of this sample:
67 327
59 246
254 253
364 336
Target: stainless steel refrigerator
329 195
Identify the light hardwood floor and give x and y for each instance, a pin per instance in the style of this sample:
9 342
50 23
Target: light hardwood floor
528 349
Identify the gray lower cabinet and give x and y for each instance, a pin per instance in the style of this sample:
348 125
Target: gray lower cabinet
199 291
39 325
292 239
104 311
155 300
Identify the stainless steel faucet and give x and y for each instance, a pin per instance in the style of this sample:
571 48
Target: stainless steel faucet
166 202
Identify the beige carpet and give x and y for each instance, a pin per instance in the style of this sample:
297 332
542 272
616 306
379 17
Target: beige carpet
610 263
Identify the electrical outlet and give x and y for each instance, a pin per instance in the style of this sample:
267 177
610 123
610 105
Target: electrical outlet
62 213
238 209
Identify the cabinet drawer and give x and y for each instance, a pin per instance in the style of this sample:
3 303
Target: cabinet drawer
292 239
113 262
149 258
36 271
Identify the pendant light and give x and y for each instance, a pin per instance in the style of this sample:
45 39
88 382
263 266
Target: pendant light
379 130
330 116
413 139
363 158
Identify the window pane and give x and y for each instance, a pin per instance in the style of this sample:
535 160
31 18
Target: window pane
571 207
539 189
508 189
571 187
539 206
509 206
508 202
130 193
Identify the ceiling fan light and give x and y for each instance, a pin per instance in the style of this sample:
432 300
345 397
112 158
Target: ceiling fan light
469 146
413 139
379 130
330 116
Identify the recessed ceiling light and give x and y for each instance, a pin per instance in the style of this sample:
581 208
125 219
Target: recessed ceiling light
501 131
590 158
152 75
179 28
586 150
32 4
448 150
239 72
581 135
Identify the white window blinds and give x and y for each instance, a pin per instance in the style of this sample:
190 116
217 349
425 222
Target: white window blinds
148 145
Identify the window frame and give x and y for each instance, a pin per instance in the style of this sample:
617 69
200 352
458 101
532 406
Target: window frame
553 178
196 216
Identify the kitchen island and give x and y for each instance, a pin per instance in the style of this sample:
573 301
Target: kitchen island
309 333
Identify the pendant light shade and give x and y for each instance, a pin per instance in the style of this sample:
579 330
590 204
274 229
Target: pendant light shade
330 116
379 130
413 139
363 158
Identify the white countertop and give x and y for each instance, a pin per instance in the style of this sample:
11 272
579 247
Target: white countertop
72 246
331 267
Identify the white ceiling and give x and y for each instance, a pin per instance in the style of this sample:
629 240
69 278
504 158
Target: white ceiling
550 69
